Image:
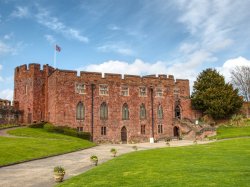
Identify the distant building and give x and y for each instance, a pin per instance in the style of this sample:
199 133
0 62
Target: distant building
9 114
111 107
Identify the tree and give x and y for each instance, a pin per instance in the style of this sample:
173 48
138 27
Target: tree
240 78
213 96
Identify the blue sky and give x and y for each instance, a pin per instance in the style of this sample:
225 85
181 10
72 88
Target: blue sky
180 37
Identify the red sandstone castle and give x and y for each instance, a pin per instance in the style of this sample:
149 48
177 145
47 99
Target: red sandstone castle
111 107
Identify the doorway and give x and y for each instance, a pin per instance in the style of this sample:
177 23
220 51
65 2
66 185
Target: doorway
176 132
124 134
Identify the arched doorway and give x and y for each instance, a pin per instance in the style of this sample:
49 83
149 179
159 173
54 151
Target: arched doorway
124 134
176 131
178 112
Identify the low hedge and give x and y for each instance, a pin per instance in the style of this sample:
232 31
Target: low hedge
37 125
67 131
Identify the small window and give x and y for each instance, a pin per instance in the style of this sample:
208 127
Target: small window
142 112
80 88
103 89
26 89
160 112
159 92
160 129
80 111
125 112
79 129
103 130
143 91
143 129
124 90
104 111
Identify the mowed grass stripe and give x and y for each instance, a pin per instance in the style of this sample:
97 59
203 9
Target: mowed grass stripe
224 163
37 144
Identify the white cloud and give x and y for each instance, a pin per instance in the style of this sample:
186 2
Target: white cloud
50 39
20 12
230 64
53 23
6 94
8 36
114 28
6 49
116 49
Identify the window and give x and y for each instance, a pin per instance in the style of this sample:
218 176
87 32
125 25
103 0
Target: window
160 130
103 130
160 112
143 91
143 129
103 89
125 112
159 92
104 111
124 90
80 111
26 89
1 116
79 129
142 111
80 88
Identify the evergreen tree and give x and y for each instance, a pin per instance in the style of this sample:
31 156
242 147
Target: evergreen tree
213 96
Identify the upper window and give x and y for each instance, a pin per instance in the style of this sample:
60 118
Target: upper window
104 111
142 111
160 112
26 89
80 88
103 89
124 90
143 91
125 112
159 92
80 111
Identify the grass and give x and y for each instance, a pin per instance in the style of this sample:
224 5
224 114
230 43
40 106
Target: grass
231 132
222 164
37 143
5 126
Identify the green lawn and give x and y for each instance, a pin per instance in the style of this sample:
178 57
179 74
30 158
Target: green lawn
221 164
5 126
232 132
37 143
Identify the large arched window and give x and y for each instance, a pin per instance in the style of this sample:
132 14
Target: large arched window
160 112
125 112
142 111
80 111
104 111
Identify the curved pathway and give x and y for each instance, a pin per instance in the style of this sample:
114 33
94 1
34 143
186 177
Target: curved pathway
39 173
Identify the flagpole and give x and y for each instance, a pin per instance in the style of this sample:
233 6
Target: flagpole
55 56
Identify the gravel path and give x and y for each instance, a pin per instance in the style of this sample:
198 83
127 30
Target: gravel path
39 173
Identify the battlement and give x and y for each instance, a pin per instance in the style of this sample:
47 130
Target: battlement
32 68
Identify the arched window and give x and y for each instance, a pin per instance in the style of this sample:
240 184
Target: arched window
160 112
125 112
80 111
142 111
104 111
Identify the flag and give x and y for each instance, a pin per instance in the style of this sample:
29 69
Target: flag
58 49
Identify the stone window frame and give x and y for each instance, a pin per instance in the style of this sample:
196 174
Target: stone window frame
103 89
160 128
104 111
143 129
159 92
26 89
143 93
125 112
80 88
80 111
124 90
79 129
103 130
143 112
160 112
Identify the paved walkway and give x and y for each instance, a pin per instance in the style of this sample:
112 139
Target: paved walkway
39 173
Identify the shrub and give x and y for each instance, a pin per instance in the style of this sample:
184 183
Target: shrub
113 151
84 135
49 127
59 169
70 132
37 125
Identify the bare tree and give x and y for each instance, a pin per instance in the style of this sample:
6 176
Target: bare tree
240 78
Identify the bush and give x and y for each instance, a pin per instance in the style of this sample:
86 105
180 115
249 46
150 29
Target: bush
49 127
70 132
37 125
84 135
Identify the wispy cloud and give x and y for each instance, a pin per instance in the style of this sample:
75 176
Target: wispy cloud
8 36
50 39
53 23
6 94
116 48
20 12
6 49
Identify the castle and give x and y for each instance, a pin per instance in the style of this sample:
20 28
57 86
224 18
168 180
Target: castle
112 107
